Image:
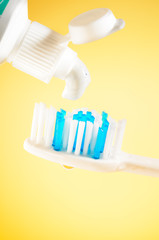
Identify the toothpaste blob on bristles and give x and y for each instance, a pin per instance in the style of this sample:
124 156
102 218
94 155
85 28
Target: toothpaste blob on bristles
80 132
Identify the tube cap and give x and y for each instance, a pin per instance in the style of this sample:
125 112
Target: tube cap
93 25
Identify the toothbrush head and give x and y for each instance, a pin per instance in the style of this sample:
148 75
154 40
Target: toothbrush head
82 138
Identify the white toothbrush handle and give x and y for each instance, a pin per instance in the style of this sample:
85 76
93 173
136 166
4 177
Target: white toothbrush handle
140 165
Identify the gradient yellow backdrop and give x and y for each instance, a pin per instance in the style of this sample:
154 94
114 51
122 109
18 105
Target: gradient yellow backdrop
42 200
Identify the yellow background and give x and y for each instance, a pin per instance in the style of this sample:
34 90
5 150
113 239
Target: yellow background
42 200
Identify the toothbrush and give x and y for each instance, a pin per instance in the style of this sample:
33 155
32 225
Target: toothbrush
84 139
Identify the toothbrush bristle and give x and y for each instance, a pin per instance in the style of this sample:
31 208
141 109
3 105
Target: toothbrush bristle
81 132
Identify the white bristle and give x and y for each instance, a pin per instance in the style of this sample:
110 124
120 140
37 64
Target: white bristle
84 110
79 137
35 122
98 119
75 111
41 122
94 113
66 131
49 125
72 133
88 135
119 136
109 138
46 122
94 136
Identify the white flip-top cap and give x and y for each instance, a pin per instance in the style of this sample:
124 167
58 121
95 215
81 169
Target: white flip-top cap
93 25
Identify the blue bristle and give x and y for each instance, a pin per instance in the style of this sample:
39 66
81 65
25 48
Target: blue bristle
92 119
63 112
88 116
56 123
59 126
105 126
101 137
104 116
98 144
59 133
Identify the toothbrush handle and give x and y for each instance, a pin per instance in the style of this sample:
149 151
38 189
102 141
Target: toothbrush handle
140 165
